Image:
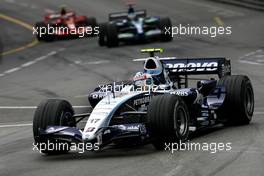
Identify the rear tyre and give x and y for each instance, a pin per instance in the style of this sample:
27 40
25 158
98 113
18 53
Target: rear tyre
238 106
165 23
42 32
102 34
92 23
168 119
111 35
52 112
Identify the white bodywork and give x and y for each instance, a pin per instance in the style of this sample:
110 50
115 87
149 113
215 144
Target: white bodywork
139 25
103 111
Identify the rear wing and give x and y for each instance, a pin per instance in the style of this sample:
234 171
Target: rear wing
124 15
197 66
190 66
180 69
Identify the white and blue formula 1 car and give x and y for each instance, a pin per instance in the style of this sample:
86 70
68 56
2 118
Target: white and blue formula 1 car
157 106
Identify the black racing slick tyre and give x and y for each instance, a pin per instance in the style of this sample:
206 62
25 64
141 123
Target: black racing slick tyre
111 35
92 23
166 29
52 112
168 120
238 106
102 34
42 32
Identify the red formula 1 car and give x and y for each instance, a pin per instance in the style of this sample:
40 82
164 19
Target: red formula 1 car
65 24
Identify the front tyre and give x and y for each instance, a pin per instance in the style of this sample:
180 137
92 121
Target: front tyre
52 112
91 22
238 106
111 35
102 34
168 119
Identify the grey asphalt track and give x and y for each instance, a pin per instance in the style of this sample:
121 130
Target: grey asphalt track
73 68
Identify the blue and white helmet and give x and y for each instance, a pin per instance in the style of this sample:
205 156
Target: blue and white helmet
143 79
131 13
155 68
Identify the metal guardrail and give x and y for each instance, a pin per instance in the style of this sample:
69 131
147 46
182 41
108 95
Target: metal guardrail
251 4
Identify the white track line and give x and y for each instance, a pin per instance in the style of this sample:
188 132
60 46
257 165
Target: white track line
96 62
16 125
245 59
8 125
250 62
27 64
21 4
35 107
18 107
78 62
258 113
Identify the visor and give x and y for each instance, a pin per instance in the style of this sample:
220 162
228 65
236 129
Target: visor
153 72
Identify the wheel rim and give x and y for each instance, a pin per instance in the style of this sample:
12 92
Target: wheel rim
65 119
249 103
180 121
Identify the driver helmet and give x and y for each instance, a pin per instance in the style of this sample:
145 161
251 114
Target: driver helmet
131 13
155 68
63 10
143 81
